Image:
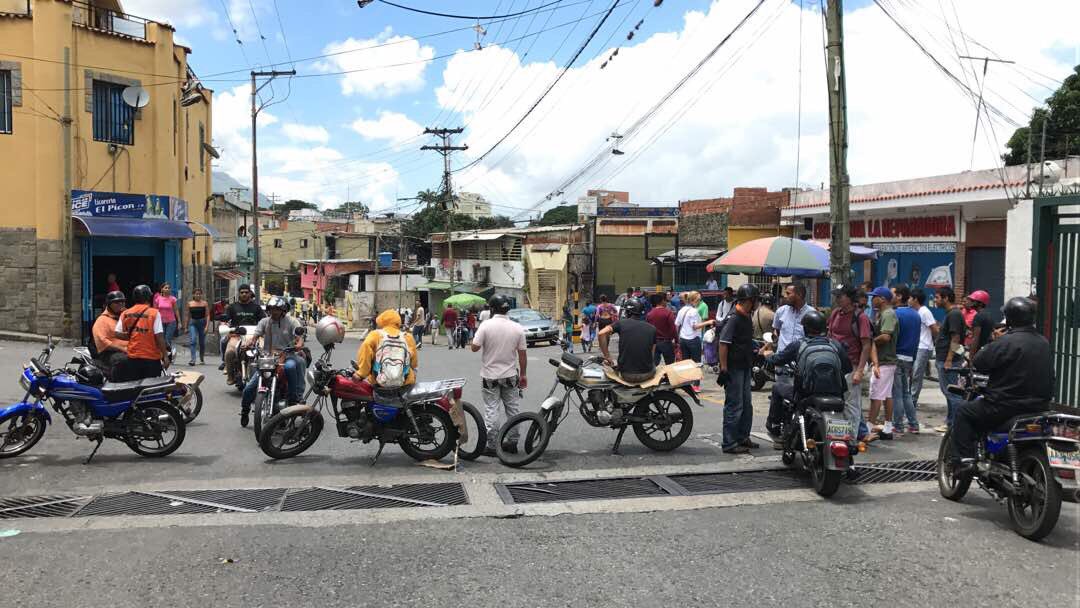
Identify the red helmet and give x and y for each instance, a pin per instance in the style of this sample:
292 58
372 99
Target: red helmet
980 296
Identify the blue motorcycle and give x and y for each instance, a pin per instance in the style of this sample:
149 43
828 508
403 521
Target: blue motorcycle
140 413
1027 463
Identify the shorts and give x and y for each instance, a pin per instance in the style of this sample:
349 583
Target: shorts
881 388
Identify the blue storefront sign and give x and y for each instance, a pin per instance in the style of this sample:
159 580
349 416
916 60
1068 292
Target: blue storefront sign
120 204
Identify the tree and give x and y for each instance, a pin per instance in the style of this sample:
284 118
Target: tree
499 221
1062 118
355 207
293 205
562 214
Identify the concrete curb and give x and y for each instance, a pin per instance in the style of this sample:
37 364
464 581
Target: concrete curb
18 336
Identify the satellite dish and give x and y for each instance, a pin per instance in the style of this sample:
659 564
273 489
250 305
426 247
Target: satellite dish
136 97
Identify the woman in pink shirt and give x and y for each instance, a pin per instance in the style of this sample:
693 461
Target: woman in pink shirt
165 302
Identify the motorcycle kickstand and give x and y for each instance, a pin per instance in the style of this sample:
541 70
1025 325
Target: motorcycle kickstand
92 452
618 440
382 444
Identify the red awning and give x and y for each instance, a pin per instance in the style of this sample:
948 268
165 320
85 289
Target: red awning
228 275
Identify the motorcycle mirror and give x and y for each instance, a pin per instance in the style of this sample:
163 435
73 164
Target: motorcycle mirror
352 362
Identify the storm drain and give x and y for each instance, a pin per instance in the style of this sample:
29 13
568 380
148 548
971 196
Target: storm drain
697 484
190 502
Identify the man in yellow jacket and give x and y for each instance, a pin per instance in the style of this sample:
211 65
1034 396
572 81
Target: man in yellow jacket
388 324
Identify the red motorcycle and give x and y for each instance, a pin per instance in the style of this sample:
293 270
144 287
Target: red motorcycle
428 419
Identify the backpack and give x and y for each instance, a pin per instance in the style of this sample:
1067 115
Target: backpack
819 370
391 363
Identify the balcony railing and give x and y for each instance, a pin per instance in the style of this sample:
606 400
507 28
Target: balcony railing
105 20
15 7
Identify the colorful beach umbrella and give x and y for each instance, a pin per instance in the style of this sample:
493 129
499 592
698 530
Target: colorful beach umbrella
777 256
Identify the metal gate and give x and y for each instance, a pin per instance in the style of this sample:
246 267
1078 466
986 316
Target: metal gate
547 299
1057 279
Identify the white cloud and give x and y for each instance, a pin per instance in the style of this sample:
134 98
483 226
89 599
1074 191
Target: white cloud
390 126
305 133
735 123
365 60
232 130
178 14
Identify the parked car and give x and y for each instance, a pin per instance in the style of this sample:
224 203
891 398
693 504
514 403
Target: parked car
538 326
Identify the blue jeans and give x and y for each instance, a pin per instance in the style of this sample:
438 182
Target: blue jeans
294 375
170 330
197 335
418 334
945 378
738 411
918 372
903 404
665 349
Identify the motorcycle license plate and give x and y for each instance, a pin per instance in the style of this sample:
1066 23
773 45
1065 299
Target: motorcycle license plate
838 429
1059 458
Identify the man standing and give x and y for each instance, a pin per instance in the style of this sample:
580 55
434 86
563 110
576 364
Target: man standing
621 300
449 322
928 330
502 371
850 327
637 340
111 351
907 346
727 304
982 325
948 340
883 359
787 329
736 358
711 284
485 314
141 326
663 320
419 323
763 317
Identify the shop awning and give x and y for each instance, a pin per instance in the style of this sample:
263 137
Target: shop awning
228 275
134 228
207 230
458 287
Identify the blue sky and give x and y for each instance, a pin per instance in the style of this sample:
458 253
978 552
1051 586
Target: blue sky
737 123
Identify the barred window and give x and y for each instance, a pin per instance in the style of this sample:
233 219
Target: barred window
114 120
6 97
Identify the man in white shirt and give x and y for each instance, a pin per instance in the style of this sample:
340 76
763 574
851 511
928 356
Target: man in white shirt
711 284
928 331
502 370
484 314
787 329
726 305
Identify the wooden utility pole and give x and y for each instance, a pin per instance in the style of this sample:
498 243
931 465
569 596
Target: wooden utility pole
447 194
840 241
257 274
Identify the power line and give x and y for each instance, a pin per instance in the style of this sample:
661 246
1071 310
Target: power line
364 3
284 38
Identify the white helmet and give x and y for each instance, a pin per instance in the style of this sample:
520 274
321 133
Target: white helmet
329 330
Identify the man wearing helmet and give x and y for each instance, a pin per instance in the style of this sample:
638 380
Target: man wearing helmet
278 332
141 326
245 311
637 339
111 350
1021 380
982 325
502 371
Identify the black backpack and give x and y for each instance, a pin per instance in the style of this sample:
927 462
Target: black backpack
819 370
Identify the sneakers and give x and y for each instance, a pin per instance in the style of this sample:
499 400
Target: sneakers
913 429
191 363
753 445
737 449
221 367
244 418
941 429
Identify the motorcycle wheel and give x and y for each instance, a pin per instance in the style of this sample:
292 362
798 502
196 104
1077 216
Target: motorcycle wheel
288 435
194 406
474 447
759 379
21 434
657 435
826 481
438 434
154 430
951 487
536 433
262 410
1034 511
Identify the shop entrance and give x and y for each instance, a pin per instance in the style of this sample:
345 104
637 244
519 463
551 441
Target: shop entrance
130 271
134 261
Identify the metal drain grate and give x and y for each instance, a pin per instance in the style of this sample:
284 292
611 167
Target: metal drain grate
730 483
894 472
40 506
376 497
585 489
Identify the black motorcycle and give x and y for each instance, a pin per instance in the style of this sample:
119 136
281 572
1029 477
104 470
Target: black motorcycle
1026 463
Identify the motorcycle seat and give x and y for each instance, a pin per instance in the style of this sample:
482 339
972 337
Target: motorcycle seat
122 391
1007 426
824 403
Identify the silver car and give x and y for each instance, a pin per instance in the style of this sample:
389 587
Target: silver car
538 327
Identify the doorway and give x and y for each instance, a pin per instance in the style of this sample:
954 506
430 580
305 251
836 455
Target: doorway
130 271
986 271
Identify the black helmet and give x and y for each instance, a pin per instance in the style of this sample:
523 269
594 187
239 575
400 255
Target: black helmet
747 291
1019 312
499 304
768 300
114 296
142 294
633 307
813 323
91 375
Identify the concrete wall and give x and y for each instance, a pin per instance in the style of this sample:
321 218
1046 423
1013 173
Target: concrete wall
623 261
1018 236
704 230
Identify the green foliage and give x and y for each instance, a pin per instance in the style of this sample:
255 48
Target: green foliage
355 207
562 214
293 205
1062 118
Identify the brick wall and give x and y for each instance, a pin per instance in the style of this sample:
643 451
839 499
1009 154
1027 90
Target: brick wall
704 230
746 207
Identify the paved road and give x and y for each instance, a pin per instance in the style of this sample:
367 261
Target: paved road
909 549
217 448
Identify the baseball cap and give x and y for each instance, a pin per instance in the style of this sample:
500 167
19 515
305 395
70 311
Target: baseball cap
882 292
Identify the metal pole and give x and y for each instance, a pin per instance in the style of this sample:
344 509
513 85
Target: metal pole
375 291
1042 154
65 215
840 252
257 271
401 267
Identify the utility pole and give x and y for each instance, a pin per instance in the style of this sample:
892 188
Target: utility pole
840 242
65 214
375 292
447 188
270 75
978 107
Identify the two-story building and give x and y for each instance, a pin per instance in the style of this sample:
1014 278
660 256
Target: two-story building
233 254
105 150
485 262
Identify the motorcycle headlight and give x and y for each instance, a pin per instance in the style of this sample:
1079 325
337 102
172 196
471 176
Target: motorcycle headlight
24 383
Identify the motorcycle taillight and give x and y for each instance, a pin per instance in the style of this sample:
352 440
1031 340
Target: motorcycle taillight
839 449
457 393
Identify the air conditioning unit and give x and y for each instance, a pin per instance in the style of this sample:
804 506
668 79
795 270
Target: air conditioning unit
481 274
429 272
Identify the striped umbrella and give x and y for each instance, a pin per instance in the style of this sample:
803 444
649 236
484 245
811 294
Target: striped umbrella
777 255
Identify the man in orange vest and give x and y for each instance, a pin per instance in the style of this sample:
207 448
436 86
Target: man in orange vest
111 352
141 326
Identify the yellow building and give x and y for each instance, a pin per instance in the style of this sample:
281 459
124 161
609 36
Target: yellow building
105 159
